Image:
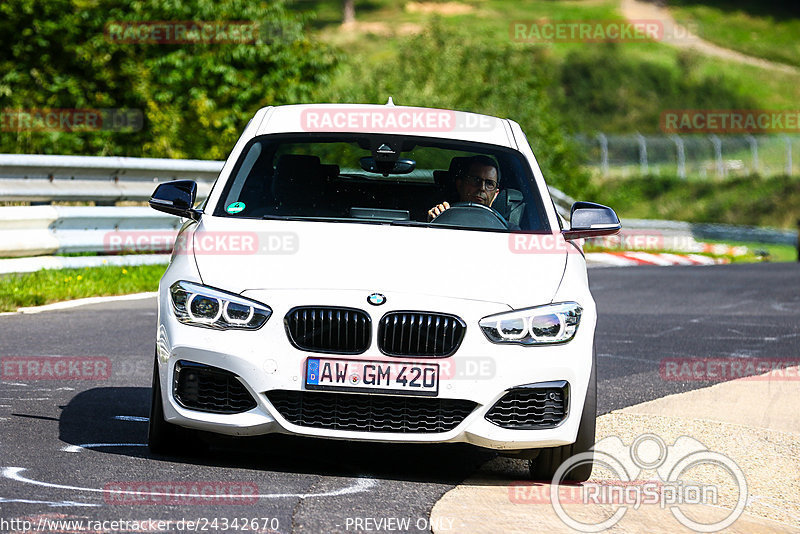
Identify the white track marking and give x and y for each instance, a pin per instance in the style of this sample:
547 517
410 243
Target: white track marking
83 302
51 504
361 485
132 418
79 448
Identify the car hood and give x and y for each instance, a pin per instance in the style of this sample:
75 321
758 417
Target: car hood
243 254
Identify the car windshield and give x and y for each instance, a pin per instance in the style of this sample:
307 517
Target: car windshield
381 179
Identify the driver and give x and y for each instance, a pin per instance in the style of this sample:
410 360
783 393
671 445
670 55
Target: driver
477 182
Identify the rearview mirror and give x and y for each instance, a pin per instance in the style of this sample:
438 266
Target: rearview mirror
176 198
588 219
400 166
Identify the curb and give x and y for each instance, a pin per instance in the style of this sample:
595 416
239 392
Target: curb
751 421
628 259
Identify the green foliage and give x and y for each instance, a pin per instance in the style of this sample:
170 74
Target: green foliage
743 200
760 28
53 285
607 89
446 68
196 98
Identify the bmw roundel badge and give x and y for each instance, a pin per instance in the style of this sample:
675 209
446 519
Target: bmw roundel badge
376 299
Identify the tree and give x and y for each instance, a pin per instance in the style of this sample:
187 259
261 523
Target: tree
494 78
349 11
195 98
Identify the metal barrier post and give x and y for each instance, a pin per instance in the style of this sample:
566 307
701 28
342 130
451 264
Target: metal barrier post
643 168
681 156
603 153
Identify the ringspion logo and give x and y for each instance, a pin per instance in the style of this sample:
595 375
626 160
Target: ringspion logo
676 484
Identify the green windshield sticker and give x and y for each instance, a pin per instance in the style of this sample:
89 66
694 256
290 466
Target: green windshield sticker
236 207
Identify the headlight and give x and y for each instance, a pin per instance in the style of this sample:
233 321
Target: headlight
553 323
211 308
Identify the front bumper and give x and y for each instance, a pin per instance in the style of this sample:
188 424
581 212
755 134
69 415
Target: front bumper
265 360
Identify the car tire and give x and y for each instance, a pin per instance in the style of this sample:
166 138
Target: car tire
162 437
544 466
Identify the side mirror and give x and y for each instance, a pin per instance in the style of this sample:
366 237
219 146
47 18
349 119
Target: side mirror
176 198
588 219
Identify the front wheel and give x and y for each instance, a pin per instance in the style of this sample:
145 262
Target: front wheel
162 437
544 466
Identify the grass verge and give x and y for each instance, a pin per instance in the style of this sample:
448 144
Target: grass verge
54 285
745 200
760 252
753 27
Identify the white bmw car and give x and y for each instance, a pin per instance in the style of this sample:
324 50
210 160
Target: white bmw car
379 273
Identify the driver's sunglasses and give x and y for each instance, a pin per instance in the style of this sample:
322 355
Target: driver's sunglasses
477 181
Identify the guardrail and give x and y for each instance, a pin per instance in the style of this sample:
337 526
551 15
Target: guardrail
38 230
38 178
42 230
41 178
720 232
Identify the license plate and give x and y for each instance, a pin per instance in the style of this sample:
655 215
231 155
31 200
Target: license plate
363 375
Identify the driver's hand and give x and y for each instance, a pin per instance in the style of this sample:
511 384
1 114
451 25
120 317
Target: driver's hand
437 210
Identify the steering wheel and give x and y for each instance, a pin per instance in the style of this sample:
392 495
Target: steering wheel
472 215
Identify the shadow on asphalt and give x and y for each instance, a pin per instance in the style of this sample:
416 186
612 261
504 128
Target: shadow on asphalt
89 418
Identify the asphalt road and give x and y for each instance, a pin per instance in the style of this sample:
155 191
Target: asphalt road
62 442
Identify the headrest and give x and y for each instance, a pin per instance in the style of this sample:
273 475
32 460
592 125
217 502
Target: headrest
298 179
458 165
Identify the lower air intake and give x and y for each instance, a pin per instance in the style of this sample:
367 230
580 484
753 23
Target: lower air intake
208 389
370 413
534 407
